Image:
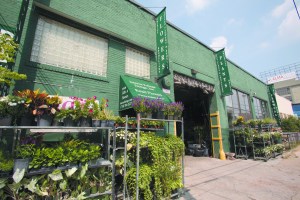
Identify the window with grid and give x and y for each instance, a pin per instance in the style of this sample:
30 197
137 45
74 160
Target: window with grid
63 46
238 105
261 109
137 63
283 91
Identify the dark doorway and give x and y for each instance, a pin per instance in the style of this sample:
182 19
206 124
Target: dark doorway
196 117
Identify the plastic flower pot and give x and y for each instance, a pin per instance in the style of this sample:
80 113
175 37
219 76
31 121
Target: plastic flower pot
110 123
146 115
85 122
96 123
44 120
26 120
158 115
69 122
5 121
21 164
170 117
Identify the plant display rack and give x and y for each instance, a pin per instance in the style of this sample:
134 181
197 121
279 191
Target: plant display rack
240 142
138 148
101 162
125 194
263 143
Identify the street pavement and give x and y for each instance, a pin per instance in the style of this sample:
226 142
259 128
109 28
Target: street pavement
214 179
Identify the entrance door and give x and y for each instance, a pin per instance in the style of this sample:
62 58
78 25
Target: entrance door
196 117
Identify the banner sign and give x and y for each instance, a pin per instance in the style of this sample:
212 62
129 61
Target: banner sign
274 106
162 45
223 72
282 77
132 87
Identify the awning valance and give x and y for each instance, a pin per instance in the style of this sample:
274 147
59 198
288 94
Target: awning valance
190 82
132 87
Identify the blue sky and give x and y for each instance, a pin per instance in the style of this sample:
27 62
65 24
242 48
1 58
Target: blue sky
258 35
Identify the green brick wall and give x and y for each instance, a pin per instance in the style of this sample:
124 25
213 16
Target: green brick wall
124 24
9 13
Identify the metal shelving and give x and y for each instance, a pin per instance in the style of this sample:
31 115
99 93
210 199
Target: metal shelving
18 130
240 143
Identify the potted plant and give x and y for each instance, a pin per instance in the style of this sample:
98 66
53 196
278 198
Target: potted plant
105 117
86 110
23 153
35 102
47 111
120 121
157 106
173 109
239 121
6 164
142 106
5 118
178 109
67 112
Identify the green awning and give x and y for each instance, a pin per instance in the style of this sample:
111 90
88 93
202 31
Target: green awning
132 87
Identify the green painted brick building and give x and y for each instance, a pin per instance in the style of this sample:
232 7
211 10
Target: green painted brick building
82 48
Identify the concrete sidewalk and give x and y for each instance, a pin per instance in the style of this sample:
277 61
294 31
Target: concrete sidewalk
213 179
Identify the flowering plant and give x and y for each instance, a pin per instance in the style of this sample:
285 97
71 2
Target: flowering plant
86 108
12 106
174 108
141 105
105 113
157 105
67 109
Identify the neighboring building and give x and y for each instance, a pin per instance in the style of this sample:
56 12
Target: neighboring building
296 109
286 81
88 48
284 107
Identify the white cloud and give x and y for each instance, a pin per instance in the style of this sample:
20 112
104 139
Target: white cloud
220 43
264 45
289 29
193 6
282 9
233 21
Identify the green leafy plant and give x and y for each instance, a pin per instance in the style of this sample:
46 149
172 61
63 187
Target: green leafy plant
239 121
269 121
7 51
290 124
73 151
25 151
160 161
6 163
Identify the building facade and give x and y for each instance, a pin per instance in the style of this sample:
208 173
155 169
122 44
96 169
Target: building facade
286 82
84 48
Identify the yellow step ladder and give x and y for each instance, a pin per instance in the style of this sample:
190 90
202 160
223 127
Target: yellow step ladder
217 143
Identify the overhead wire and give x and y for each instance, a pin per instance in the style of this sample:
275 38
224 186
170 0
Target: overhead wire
296 9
